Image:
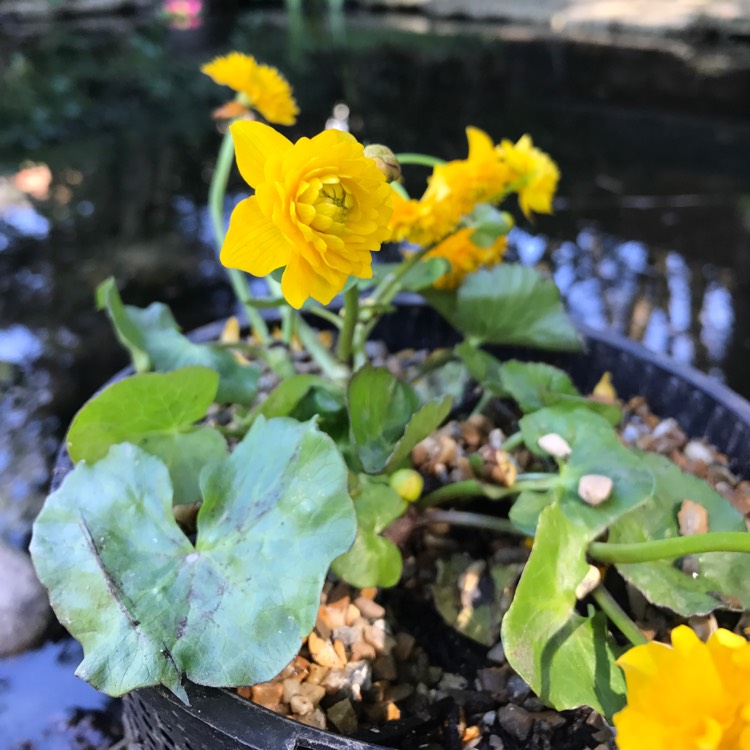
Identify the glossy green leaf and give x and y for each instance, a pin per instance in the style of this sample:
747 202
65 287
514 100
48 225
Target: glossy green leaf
373 560
156 412
149 606
508 304
596 449
489 224
567 659
386 418
153 338
722 579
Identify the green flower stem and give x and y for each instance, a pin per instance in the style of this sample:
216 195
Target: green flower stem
472 520
619 617
379 299
400 189
513 442
679 546
322 312
216 192
423 160
351 314
474 488
315 348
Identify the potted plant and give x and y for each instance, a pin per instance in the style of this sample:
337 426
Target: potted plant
235 501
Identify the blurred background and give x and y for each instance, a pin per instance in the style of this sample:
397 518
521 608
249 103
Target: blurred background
107 147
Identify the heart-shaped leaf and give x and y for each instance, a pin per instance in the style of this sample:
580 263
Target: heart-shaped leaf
485 368
154 340
373 560
420 276
150 607
567 659
156 412
721 580
527 508
596 449
386 419
287 395
508 304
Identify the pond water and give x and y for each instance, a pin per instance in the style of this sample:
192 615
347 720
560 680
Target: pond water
106 148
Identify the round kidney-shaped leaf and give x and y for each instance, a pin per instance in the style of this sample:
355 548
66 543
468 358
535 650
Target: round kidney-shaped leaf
149 606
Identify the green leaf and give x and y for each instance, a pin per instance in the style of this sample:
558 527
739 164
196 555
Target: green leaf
489 224
153 338
287 395
596 449
535 385
508 304
157 412
475 613
447 379
420 276
483 367
723 578
527 508
108 298
386 419
150 607
373 560
567 659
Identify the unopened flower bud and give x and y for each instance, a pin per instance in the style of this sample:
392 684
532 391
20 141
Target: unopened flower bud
385 159
408 484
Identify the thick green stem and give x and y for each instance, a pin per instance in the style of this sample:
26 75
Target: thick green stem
474 488
679 546
513 442
619 617
472 520
314 347
424 160
216 192
351 314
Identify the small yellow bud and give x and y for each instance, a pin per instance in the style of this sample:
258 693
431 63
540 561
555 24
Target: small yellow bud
408 484
385 159
604 390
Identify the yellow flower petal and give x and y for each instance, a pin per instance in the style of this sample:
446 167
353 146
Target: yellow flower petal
231 70
254 142
692 695
253 242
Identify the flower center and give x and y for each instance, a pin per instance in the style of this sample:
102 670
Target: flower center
333 202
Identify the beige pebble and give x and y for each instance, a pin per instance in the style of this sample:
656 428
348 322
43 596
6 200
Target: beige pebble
692 518
352 615
317 674
268 694
301 705
369 608
594 489
363 650
589 582
556 445
375 635
323 652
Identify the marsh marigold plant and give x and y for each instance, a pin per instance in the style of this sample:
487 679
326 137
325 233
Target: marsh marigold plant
687 696
320 209
259 87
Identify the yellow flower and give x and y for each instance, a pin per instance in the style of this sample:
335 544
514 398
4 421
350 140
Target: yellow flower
535 172
320 208
690 696
422 222
466 182
259 86
453 190
465 256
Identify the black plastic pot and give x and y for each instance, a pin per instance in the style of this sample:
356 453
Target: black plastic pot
220 720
